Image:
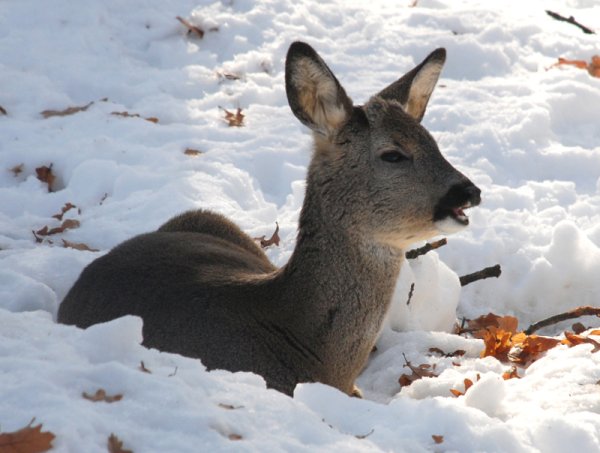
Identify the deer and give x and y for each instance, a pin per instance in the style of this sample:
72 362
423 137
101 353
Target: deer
376 183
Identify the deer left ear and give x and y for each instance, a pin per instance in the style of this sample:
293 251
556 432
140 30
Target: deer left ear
414 89
314 94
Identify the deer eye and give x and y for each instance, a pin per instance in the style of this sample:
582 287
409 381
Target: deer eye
393 156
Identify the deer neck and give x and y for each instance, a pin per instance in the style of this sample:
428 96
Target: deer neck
341 284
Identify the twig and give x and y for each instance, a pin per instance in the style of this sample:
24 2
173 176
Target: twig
570 20
412 254
575 313
410 293
493 271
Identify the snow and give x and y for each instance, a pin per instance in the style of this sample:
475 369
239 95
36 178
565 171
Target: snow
528 136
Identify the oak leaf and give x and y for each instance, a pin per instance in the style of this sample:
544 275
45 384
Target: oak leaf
511 374
418 372
67 207
234 119
115 445
78 246
273 240
45 174
468 384
457 353
126 114
192 152
29 439
17 169
572 339
66 225
101 395
437 439
67 111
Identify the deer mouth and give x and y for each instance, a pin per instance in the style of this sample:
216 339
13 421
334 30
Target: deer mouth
457 214
449 214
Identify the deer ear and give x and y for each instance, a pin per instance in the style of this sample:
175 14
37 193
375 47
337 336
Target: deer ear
314 94
414 88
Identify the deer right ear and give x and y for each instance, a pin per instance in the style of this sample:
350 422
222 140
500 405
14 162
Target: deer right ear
415 87
314 94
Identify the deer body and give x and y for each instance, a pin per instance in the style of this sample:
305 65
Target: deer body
376 183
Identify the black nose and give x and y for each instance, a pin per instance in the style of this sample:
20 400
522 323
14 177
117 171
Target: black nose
473 194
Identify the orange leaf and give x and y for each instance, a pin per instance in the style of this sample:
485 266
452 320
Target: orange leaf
192 29
115 445
192 152
511 374
45 174
63 211
234 119
65 112
29 439
17 169
573 340
78 246
101 395
594 66
273 240
437 439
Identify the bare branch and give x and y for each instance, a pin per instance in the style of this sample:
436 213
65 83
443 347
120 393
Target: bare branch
412 254
493 271
571 314
570 20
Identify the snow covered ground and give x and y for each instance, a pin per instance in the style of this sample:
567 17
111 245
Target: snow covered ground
528 136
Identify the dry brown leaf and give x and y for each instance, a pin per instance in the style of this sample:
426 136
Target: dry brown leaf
66 225
468 384
45 174
78 246
418 372
101 395
234 119
17 169
593 67
65 112
578 328
143 368
457 353
192 152
115 445
511 374
506 323
234 437
192 29
3 111
67 207
273 240
437 439
29 439
152 119
572 339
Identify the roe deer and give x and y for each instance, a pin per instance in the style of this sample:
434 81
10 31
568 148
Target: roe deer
376 183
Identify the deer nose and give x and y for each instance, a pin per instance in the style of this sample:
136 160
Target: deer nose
473 194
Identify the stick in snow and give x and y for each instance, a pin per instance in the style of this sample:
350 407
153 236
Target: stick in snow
575 313
570 20
488 272
412 254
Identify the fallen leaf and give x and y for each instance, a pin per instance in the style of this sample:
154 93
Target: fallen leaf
593 67
115 445
66 225
234 437
17 169
457 353
418 372
437 439
3 111
152 119
45 174
572 339
67 207
192 29
274 239
234 119
511 374
78 246
506 323
143 368
65 112
101 395
527 348
595 332
192 152
468 384
29 439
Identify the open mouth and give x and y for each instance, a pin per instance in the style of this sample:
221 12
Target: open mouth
449 214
